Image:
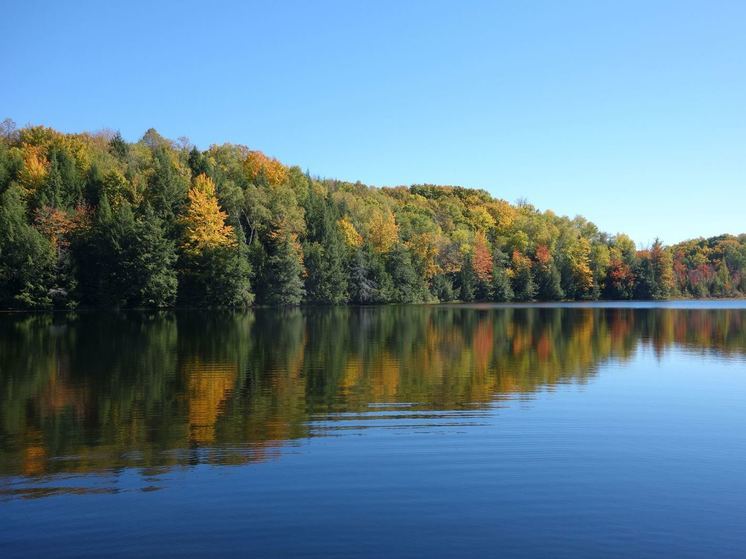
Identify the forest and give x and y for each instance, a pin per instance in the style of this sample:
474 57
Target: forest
89 220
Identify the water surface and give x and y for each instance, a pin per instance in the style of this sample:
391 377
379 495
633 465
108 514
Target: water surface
526 431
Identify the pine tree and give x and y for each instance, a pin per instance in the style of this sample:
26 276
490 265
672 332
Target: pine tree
362 290
152 261
216 277
369 282
198 163
284 285
27 259
646 286
524 286
548 279
501 291
467 281
326 280
654 273
441 288
408 287
118 147
721 283
133 261
167 188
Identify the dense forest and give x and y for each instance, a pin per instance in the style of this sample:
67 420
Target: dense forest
90 220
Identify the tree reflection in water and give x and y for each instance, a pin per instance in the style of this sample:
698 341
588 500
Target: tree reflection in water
91 392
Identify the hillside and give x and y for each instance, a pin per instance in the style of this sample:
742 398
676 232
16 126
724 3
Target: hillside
92 220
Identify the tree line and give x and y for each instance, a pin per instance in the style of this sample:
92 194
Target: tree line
90 220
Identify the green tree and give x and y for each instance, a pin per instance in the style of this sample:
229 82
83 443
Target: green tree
326 280
524 286
502 291
284 284
27 259
216 277
167 185
548 279
118 147
369 282
149 265
408 286
441 287
126 260
467 281
655 279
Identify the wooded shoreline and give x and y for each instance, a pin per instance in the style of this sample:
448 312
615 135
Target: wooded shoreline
91 221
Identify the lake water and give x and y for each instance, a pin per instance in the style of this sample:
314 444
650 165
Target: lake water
599 430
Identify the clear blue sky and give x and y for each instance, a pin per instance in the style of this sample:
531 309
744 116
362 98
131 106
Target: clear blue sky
632 114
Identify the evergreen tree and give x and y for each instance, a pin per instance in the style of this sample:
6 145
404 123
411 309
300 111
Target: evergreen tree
501 291
721 283
326 280
408 287
27 259
126 261
284 285
167 188
50 192
73 184
654 273
118 147
524 286
150 264
217 276
646 286
369 282
198 163
467 281
442 288
548 279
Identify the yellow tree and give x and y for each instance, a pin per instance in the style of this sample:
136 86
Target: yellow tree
383 231
258 165
204 222
424 247
351 236
34 170
579 256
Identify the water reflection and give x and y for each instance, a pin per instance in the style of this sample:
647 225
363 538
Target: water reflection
98 393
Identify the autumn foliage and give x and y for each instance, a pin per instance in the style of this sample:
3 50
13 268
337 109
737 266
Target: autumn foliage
204 222
91 219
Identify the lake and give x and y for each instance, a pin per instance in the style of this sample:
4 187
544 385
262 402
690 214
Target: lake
578 430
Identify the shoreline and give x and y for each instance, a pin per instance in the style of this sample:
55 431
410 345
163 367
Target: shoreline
600 303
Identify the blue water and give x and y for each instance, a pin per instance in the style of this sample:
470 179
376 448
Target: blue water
445 431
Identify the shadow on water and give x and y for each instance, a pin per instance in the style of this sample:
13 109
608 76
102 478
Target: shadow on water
95 394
